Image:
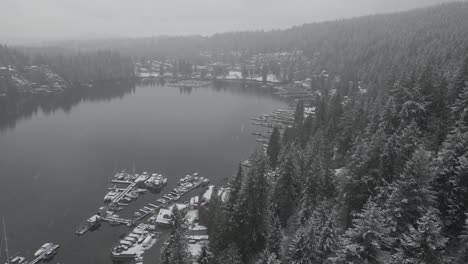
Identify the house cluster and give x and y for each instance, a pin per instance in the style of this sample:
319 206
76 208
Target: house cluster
276 67
196 214
31 79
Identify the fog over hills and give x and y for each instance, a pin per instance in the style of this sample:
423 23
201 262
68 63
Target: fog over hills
23 21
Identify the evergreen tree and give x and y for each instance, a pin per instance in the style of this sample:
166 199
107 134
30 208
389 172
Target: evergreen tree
460 81
397 151
235 185
250 210
229 255
328 240
389 117
264 74
204 257
369 240
268 258
425 244
274 147
217 224
299 114
161 69
303 249
362 175
285 194
175 250
275 236
245 73
426 82
439 116
177 219
232 217
462 254
412 194
461 104
452 178
289 135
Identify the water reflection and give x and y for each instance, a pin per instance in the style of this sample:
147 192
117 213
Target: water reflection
55 170
16 108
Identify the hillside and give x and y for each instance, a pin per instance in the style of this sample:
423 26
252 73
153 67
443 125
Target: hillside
51 73
365 46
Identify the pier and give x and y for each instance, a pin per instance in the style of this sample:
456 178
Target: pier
117 220
44 255
122 194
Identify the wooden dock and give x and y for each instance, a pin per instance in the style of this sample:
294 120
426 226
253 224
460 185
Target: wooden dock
43 255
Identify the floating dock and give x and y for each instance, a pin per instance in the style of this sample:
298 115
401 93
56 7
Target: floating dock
45 255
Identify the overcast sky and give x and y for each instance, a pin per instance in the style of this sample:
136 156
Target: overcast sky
43 20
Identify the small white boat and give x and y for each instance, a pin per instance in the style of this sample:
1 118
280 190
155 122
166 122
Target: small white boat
43 249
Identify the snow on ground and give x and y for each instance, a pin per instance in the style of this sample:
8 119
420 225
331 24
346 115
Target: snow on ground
339 171
208 193
197 227
237 75
197 237
147 74
196 248
192 220
223 193
139 249
270 78
234 75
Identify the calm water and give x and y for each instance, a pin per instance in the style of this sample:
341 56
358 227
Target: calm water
56 155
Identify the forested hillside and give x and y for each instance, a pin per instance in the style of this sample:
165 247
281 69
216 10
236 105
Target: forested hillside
376 47
371 177
44 72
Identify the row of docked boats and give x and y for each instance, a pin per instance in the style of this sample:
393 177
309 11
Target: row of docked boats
186 184
154 182
134 244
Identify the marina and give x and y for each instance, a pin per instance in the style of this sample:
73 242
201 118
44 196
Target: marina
46 252
144 235
69 185
129 193
135 243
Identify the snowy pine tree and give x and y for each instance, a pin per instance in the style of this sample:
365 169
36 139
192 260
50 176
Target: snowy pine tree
412 193
274 147
369 240
229 255
285 193
425 244
303 249
275 236
268 258
251 209
452 178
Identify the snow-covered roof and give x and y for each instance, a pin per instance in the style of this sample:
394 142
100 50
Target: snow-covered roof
164 217
208 193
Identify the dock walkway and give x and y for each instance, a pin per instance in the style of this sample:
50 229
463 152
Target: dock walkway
43 255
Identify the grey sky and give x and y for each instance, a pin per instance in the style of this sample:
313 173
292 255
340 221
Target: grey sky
41 20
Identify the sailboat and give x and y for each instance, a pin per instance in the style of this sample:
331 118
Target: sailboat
6 242
16 259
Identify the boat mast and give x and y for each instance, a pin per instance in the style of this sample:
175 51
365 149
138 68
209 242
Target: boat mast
6 242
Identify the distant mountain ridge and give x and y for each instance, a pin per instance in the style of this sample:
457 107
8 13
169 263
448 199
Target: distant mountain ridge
378 43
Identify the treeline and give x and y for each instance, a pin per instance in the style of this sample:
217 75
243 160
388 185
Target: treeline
89 66
12 57
366 179
376 47
378 173
74 67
